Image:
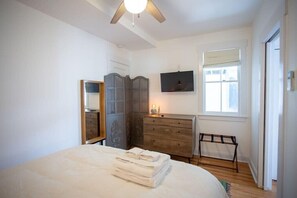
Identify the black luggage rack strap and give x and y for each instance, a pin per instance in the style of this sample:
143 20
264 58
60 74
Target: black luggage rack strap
220 139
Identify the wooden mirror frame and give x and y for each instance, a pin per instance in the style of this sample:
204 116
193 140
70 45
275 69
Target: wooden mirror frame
102 129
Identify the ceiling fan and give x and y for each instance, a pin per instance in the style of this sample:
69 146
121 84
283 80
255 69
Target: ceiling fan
136 7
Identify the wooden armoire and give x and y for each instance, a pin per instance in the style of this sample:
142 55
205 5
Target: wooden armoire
127 101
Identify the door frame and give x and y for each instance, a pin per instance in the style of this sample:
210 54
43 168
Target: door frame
279 26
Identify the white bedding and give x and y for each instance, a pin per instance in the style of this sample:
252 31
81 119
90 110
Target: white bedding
85 171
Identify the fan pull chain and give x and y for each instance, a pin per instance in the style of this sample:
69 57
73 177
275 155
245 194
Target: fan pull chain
133 22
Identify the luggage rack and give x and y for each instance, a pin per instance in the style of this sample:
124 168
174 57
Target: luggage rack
220 139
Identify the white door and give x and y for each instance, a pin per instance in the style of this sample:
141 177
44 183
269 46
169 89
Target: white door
272 109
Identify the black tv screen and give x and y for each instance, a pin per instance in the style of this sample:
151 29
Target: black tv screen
92 87
177 81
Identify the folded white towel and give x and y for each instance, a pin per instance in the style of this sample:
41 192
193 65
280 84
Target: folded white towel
146 181
149 155
139 169
134 152
143 163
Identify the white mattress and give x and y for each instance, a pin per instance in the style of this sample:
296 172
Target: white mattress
85 171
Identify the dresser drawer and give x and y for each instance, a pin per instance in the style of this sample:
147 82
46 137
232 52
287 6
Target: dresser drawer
168 122
174 147
92 122
92 115
156 121
184 134
92 132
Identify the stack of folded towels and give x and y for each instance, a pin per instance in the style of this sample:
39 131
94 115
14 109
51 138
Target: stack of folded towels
144 167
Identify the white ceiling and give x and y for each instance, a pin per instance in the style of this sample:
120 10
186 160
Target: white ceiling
183 18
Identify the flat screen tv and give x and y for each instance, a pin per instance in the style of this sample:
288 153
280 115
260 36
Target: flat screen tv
92 87
177 81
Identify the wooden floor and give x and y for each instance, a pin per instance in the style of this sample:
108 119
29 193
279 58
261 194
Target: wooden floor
242 183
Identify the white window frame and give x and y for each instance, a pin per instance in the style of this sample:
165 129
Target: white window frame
239 90
243 84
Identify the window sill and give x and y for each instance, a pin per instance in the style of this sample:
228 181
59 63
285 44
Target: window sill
230 118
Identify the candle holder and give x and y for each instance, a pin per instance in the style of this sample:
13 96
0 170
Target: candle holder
153 109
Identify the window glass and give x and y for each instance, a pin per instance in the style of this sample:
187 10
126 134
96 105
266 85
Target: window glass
213 97
212 74
229 97
229 73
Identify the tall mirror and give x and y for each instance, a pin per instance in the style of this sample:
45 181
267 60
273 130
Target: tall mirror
92 111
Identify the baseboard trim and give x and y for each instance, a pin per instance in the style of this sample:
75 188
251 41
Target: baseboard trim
253 171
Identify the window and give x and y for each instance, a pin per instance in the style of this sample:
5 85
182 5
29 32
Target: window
221 81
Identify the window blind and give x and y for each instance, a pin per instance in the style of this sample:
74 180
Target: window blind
221 57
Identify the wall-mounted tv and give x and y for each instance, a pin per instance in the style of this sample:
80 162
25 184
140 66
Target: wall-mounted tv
177 81
92 87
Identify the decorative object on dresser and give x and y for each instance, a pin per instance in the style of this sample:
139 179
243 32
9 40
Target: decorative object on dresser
170 133
126 102
92 111
154 109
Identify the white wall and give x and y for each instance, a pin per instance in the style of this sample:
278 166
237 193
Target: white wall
183 54
265 24
41 62
289 156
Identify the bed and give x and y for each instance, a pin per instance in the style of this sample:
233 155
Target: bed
85 171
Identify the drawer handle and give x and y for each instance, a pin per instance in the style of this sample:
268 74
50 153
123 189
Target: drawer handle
178 144
178 122
153 129
152 141
153 120
178 131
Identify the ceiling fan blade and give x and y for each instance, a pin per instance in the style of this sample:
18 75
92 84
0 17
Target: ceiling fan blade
119 13
154 11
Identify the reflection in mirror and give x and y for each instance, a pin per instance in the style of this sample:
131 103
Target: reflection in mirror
92 111
92 99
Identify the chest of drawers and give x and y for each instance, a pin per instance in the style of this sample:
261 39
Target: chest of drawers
170 133
92 125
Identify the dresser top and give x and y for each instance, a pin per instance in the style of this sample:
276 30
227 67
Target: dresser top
171 116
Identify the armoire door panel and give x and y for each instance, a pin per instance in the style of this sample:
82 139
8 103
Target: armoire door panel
109 82
135 95
137 129
135 107
143 107
119 81
143 84
120 107
128 129
110 108
116 136
135 84
110 94
120 93
115 114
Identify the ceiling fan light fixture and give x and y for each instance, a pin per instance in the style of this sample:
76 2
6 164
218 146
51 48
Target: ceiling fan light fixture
135 6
